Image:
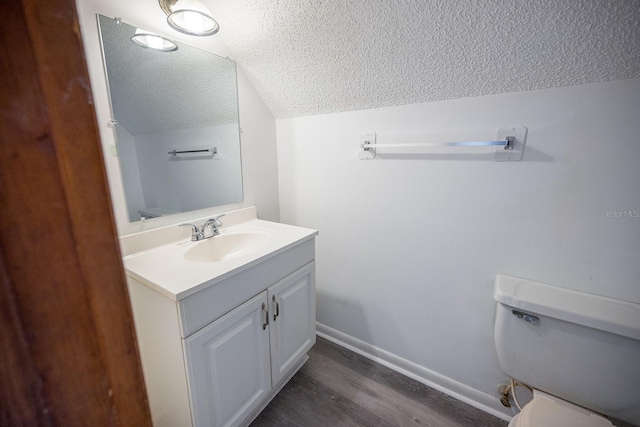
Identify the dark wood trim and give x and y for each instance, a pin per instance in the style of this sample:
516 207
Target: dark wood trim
65 306
20 391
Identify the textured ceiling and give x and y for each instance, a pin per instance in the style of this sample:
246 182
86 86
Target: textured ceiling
154 91
310 57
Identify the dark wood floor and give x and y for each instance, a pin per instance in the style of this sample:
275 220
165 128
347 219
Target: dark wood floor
338 387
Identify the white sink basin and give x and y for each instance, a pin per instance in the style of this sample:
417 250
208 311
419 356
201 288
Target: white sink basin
228 246
180 268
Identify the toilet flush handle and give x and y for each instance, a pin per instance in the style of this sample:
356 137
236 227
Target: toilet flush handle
526 317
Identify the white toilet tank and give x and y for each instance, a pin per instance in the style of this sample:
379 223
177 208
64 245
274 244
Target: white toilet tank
579 347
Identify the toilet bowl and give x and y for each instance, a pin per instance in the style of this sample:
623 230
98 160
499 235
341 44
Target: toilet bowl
579 352
545 410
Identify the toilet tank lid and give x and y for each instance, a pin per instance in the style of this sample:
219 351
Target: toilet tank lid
598 312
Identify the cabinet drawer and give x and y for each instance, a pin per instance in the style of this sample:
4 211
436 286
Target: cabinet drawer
202 308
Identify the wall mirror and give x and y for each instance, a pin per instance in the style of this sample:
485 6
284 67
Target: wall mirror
175 114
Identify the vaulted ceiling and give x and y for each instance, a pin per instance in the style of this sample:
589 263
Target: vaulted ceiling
309 57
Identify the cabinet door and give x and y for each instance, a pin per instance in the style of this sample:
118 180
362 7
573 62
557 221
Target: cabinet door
293 320
228 365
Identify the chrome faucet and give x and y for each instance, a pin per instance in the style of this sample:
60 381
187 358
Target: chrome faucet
200 233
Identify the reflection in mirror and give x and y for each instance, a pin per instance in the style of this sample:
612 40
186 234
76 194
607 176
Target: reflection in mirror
175 114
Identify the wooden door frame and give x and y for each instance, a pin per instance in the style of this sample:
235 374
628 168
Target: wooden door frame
68 353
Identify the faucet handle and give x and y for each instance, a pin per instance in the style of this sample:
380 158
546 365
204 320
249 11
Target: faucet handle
217 221
196 234
194 228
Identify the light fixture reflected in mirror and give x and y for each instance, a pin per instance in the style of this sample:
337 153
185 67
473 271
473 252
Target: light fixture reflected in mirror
150 40
189 17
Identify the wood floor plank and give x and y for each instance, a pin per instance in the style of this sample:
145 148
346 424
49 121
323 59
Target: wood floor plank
338 387
393 407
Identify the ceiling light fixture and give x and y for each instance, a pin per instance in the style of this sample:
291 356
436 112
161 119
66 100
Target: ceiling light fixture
153 41
189 17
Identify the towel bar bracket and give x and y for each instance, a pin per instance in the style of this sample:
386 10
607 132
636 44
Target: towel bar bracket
516 137
509 142
368 141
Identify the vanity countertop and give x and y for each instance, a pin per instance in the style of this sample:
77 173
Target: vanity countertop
172 269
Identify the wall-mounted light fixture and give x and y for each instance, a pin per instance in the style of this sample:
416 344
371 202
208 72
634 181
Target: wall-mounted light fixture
189 17
150 40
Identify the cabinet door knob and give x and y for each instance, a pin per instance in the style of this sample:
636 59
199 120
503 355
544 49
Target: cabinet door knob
266 316
277 308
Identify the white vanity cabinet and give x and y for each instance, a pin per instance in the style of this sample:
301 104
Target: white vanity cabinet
216 352
235 362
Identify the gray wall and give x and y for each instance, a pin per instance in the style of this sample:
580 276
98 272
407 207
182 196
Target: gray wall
409 247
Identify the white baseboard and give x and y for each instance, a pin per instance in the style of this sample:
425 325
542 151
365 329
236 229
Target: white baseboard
462 392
